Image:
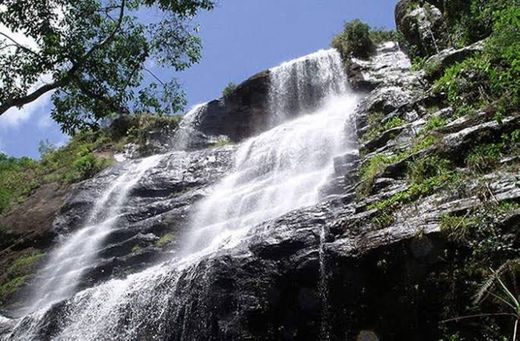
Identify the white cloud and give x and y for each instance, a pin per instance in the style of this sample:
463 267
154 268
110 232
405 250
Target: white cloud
14 117
45 121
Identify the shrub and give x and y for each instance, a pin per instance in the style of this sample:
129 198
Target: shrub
424 168
433 123
222 141
228 90
470 20
372 168
425 176
355 40
381 35
374 122
376 128
394 122
138 129
457 228
486 157
16 179
490 79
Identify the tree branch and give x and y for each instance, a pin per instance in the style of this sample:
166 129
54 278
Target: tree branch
21 101
18 44
154 76
110 37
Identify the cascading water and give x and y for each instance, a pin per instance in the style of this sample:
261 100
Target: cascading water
305 83
63 271
280 170
276 172
185 133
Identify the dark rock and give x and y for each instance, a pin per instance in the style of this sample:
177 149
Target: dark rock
382 139
238 115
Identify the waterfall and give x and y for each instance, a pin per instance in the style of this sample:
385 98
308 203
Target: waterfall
305 83
61 275
323 288
284 168
184 135
278 171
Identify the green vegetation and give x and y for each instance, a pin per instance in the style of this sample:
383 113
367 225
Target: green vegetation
425 176
86 154
359 39
137 129
372 168
96 53
491 80
471 20
378 163
74 162
222 141
165 240
18 272
376 126
14 181
433 123
354 39
228 90
480 242
481 238
486 157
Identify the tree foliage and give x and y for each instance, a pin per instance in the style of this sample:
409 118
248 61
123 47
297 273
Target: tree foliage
360 40
95 55
355 40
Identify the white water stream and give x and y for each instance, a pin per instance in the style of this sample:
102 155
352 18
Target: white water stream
275 172
60 276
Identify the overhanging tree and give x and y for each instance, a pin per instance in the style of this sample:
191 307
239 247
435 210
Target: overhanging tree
95 53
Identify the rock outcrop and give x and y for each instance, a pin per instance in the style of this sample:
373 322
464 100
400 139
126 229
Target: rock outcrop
422 25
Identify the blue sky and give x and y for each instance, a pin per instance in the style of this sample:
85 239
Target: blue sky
240 38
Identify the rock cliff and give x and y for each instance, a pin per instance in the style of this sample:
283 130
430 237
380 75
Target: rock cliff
375 258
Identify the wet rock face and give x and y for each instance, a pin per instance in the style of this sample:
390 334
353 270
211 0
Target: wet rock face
422 26
160 204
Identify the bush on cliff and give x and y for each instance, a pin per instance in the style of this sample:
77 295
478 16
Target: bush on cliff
228 90
18 272
492 79
360 40
355 40
471 20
